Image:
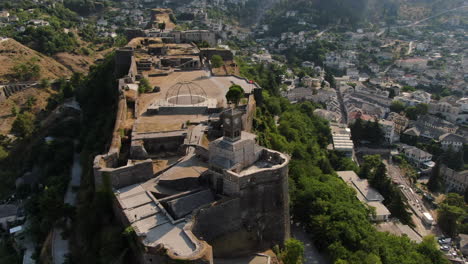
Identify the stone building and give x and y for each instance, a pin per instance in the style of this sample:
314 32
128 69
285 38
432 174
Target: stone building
455 181
242 190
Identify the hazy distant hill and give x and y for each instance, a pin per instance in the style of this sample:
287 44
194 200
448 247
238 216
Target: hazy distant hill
349 12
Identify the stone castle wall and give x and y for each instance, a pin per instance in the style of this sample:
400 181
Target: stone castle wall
126 175
217 220
107 164
260 205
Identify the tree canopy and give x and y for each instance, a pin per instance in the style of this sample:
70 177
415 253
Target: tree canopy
144 86
235 94
328 208
216 61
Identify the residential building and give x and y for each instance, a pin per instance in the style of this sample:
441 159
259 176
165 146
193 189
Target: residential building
412 64
400 122
464 244
298 94
388 128
4 16
455 181
451 108
453 141
419 157
341 136
414 98
8 214
328 115
366 194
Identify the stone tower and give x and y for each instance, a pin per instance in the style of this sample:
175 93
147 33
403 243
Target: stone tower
232 125
255 180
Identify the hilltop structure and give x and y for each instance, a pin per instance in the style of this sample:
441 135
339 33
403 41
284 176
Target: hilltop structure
187 174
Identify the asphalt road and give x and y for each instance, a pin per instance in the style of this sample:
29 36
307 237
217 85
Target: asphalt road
414 200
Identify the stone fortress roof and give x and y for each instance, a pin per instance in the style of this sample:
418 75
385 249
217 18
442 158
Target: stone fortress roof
182 168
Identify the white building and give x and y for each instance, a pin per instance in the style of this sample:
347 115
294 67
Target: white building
342 142
414 98
452 108
418 157
388 128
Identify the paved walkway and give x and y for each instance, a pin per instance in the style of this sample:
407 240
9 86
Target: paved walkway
60 246
311 254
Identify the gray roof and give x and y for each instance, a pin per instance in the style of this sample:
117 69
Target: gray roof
418 153
8 210
412 132
361 185
434 121
452 137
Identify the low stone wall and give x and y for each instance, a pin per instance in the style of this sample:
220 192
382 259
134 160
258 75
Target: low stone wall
126 175
225 54
8 90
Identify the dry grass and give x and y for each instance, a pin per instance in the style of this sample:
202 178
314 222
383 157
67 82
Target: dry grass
19 100
74 62
162 15
13 53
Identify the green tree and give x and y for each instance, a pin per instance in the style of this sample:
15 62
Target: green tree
451 213
23 125
235 94
435 181
162 26
397 106
357 130
413 112
408 88
293 252
144 86
216 61
27 71
465 196
45 83
449 218
3 153
453 159
429 248
330 79
14 110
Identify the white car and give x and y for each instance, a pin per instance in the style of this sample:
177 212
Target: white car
445 248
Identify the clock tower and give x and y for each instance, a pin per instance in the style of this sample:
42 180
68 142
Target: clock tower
232 124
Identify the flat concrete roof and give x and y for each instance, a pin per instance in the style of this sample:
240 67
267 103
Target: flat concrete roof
189 167
173 237
215 87
364 192
152 222
160 123
380 209
361 185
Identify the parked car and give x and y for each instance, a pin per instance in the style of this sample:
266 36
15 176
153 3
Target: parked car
445 248
445 240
